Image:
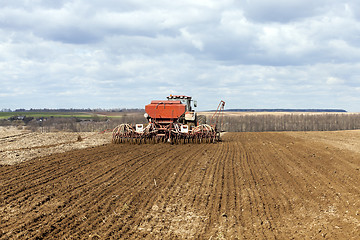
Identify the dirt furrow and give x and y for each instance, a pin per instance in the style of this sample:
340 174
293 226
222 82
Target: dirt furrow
251 186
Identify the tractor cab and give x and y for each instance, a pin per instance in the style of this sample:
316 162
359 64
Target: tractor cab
186 100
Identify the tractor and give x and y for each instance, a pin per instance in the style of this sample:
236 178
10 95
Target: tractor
173 120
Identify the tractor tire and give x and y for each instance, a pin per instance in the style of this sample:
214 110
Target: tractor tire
201 119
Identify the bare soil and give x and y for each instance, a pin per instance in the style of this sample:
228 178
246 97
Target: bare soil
349 140
18 145
250 186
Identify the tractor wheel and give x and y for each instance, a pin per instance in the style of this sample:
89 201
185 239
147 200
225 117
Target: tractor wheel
201 119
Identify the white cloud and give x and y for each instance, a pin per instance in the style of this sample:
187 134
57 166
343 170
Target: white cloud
192 39
334 81
264 54
285 10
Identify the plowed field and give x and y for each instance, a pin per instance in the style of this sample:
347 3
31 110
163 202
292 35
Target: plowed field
251 186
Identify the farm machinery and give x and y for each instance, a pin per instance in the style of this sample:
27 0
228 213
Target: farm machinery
173 120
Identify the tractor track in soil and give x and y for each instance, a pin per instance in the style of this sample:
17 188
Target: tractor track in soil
251 186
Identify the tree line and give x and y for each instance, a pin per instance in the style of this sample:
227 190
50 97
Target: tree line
66 110
291 122
236 123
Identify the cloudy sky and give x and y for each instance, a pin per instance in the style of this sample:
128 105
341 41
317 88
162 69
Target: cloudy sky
122 54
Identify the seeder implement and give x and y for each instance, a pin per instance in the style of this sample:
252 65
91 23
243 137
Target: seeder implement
174 133
171 120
